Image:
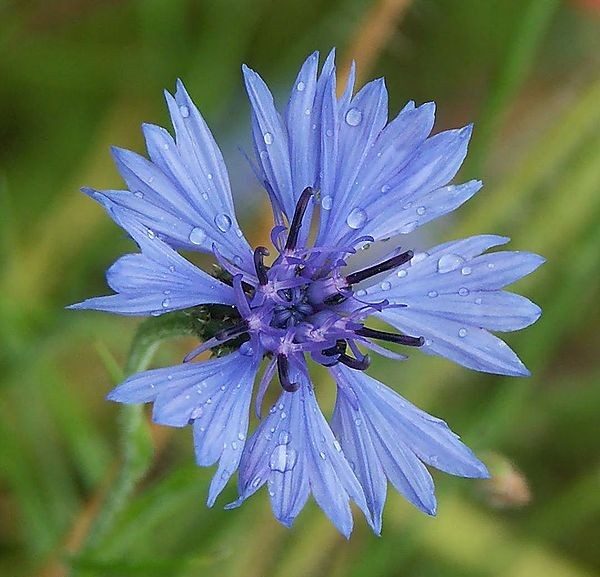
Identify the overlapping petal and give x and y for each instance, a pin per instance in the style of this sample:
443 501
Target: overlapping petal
183 191
157 280
384 436
452 296
295 453
213 395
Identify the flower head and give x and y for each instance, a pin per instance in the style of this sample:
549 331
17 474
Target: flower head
339 165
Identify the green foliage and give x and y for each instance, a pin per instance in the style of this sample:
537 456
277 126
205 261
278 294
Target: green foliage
90 490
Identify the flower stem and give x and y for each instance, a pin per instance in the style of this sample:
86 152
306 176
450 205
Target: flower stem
136 441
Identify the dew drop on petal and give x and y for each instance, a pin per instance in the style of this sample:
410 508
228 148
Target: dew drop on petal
166 303
197 236
138 194
327 202
463 291
462 333
421 210
283 458
322 455
353 117
241 436
268 138
449 262
385 189
466 270
432 294
385 285
151 233
300 86
223 222
357 218
246 349
361 293
172 268
402 273
185 111
478 301
337 446
417 258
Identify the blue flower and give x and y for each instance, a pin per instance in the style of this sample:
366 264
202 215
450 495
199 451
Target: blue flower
339 164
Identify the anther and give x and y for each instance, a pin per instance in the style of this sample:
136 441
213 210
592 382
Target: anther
296 224
391 337
283 371
357 364
261 270
388 264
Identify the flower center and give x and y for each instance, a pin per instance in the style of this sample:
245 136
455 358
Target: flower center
302 304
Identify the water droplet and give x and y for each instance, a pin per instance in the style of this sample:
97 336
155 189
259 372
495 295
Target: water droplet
234 445
223 222
329 132
327 202
385 285
463 291
466 270
462 333
421 210
337 446
385 188
238 260
357 422
205 195
357 218
151 233
166 303
172 268
418 257
307 111
432 294
283 414
300 86
209 176
185 111
478 301
402 273
283 458
407 206
361 293
197 236
241 436
268 138
196 413
156 313
491 265
353 117
284 437
449 262
256 481
322 455
138 194
246 349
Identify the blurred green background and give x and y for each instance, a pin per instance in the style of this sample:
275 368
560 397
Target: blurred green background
79 75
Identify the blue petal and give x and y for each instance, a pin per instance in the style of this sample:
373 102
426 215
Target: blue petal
155 281
271 144
384 435
452 297
295 453
215 395
183 193
370 422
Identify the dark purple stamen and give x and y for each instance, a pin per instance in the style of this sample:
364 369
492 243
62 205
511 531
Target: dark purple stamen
261 270
283 370
338 349
232 332
357 364
390 337
296 224
388 264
